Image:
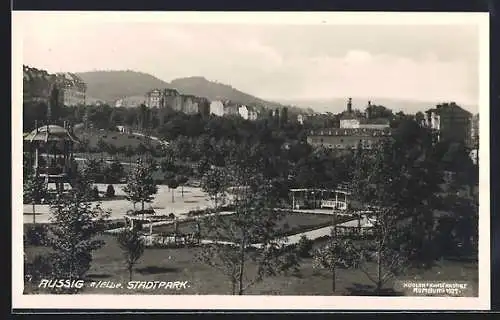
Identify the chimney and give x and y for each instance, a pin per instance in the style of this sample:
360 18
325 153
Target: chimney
349 105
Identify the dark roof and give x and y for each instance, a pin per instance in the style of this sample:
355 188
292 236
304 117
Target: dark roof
361 132
448 107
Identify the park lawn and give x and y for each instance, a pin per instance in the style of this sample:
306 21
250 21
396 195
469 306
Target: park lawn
182 265
297 223
118 139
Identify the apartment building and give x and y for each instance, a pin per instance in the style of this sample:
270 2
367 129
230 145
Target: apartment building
248 113
37 85
217 108
72 88
451 122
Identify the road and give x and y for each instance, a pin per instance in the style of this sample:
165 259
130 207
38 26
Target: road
152 138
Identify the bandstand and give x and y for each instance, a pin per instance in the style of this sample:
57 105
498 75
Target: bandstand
336 199
50 149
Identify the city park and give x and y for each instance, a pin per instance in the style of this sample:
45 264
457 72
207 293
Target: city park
50 152
177 225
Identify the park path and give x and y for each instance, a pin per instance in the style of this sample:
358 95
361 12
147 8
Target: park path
194 199
292 239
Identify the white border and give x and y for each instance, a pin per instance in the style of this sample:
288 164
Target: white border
214 302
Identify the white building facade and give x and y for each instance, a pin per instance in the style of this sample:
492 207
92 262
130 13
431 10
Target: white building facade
217 108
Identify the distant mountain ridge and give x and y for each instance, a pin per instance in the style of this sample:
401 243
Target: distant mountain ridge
110 86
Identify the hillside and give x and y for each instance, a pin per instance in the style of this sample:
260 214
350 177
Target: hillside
200 86
110 86
131 86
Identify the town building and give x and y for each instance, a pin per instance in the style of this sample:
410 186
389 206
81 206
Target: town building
230 108
355 130
153 98
37 85
301 118
347 138
350 120
247 113
172 99
451 123
73 89
475 130
217 108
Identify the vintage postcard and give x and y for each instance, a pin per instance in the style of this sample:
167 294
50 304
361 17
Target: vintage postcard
251 160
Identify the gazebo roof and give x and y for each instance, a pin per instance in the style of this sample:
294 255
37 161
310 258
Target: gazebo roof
50 133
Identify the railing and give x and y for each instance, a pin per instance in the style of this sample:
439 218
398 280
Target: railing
334 204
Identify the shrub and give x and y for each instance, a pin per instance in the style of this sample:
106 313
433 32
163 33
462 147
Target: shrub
36 235
171 216
40 267
96 193
304 247
110 191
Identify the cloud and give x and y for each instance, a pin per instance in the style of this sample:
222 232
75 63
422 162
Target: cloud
271 62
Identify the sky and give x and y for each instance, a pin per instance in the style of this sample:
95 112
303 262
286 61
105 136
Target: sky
276 61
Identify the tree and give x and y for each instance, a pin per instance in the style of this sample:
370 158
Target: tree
376 111
133 248
114 172
140 185
129 152
103 146
141 149
215 182
182 179
173 183
335 254
284 116
253 233
397 186
93 170
110 191
75 225
384 250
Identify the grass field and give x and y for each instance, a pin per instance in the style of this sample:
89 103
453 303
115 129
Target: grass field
291 223
182 265
117 139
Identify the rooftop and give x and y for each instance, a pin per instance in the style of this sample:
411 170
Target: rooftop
50 133
448 107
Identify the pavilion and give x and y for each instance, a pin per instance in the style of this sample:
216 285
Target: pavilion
308 198
50 150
